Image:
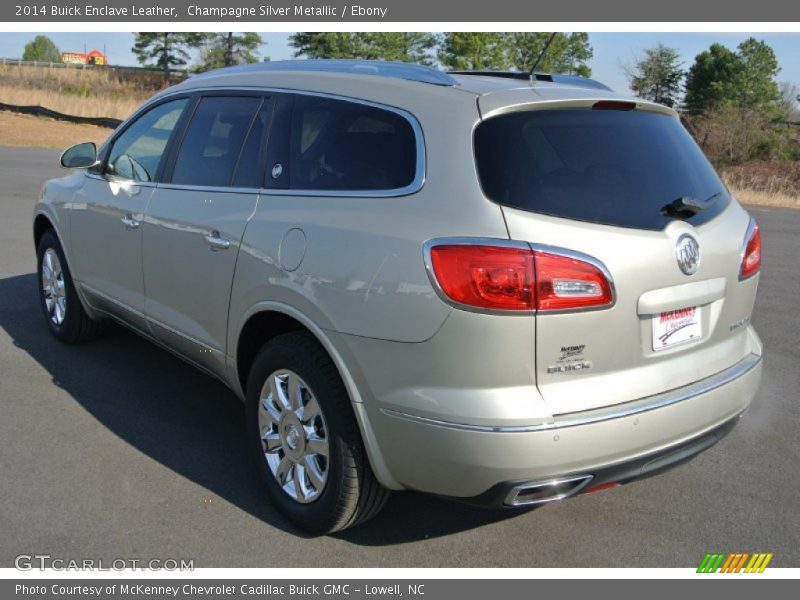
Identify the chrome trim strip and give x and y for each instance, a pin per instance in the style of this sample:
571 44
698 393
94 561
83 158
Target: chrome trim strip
103 296
416 185
120 181
607 413
148 319
504 243
150 335
211 189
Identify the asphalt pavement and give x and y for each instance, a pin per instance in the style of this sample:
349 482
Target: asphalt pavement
116 449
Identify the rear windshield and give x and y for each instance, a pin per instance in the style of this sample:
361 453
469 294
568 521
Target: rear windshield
604 166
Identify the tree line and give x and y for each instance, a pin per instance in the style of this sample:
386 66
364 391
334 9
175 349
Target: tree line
730 99
171 51
568 52
468 51
744 77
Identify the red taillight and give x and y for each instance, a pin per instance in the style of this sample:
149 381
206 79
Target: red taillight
563 283
751 261
517 278
490 277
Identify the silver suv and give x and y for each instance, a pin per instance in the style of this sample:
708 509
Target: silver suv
494 287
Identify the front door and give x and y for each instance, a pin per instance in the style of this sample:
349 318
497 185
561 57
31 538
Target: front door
108 211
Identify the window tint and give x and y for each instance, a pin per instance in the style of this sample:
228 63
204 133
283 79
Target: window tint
137 152
213 141
604 166
278 166
338 145
249 168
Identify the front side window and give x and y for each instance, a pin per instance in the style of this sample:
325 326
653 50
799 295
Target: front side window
213 142
136 153
339 145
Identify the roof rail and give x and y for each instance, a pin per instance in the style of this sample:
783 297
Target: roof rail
398 70
573 80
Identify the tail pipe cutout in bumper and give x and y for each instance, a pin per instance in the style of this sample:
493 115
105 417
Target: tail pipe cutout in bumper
533 493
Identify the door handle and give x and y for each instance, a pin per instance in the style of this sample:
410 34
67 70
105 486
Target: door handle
216 242
130 223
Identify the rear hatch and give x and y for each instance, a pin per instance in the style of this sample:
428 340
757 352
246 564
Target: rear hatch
598 182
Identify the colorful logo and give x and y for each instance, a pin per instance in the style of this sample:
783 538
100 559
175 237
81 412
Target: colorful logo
734 563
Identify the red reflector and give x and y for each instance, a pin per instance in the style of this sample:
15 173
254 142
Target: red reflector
613 105
563 282
492 277
601 487
751 261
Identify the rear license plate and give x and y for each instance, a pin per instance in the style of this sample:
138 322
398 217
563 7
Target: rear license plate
676 327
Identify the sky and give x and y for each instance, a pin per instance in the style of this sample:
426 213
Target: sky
612 51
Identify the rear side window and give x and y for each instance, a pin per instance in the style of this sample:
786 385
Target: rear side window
339 145
603 166
250 166
213 141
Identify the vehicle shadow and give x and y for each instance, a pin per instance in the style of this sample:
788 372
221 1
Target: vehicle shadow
192 424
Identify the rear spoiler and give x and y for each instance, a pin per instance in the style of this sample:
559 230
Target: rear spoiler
560 78
553 98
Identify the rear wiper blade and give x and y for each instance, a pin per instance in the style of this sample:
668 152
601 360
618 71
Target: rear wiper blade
688 204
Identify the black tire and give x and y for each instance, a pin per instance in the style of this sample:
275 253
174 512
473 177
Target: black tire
76 325
351 494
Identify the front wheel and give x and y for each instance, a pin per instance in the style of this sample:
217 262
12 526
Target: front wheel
60 303
306 440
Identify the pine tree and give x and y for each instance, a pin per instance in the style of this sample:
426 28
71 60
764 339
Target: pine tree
568 53
227 49
657 75
165 51
474 51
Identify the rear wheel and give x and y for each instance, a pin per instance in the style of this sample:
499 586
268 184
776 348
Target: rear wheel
306 440
61 306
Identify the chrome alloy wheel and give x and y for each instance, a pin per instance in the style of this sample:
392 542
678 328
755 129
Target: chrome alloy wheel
55 295
293 436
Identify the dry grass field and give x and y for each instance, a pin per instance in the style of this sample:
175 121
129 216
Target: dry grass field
745 196
38 132
769 182
75 91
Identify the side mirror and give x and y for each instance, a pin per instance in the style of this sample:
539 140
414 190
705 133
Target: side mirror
79 156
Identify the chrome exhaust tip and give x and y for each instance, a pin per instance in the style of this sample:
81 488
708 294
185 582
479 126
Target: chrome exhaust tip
541 492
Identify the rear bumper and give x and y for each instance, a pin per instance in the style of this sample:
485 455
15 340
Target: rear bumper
482 464
527 493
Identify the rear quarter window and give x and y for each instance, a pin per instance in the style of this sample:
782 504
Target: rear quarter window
603 166
338 145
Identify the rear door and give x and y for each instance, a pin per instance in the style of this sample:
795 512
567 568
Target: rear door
599 182
195 222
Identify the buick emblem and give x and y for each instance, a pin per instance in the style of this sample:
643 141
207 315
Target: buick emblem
687 251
